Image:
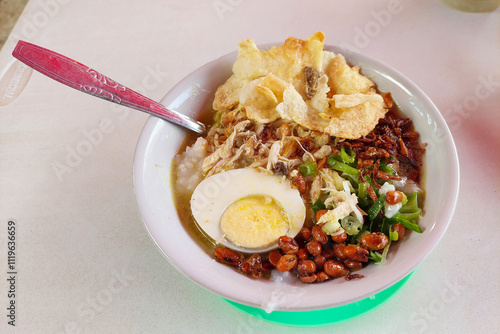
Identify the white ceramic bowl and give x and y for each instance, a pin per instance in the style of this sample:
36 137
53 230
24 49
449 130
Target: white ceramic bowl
160 141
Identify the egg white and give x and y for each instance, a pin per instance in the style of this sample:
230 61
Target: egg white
214 194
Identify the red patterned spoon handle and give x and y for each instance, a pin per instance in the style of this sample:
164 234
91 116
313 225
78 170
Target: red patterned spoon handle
78 76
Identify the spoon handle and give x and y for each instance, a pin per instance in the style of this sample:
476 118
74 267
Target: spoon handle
78 76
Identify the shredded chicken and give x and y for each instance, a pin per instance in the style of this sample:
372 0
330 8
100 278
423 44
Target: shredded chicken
342 210
279 147
224 152
324 151
316 186
274 154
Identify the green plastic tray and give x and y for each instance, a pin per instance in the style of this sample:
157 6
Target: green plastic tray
325 317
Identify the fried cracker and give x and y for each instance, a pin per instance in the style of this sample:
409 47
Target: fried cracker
357 121
344 79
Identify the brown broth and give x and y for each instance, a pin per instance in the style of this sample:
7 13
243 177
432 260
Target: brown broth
182 200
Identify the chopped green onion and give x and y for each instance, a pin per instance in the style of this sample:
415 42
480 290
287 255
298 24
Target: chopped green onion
411 216
386 227
336 156
376 207
318 205
308 169
351 225
331 227
375 256
405 199
393 235
376 224
341 167
386 169
363 196
410 210
347 157
371 226
352 180
407 224
411 203
369 180
415 199
384 253
383 163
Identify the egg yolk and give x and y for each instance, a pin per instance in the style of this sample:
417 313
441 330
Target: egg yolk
254 221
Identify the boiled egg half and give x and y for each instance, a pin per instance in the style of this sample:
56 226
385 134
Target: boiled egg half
247 209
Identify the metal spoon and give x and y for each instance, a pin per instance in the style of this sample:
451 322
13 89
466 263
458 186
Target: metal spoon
78 76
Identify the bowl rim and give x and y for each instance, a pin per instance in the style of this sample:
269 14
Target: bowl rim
446 212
